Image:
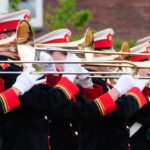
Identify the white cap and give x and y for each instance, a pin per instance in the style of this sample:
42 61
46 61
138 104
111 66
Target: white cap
141 48
57 36
143 40
103 39
10 21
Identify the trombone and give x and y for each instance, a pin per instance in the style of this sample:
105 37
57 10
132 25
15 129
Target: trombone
24 37
135 66
106 52
89 52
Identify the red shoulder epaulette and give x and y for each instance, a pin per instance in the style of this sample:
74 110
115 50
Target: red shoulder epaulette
52 80
2 85
92 93
146 92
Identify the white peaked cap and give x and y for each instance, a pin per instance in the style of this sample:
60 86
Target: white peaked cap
103 39
11 20
141 48
103 34
57 36
143 40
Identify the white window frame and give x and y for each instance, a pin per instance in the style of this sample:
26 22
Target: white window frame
4 7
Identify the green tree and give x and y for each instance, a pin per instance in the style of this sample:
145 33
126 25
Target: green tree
117 43
67 15
14 4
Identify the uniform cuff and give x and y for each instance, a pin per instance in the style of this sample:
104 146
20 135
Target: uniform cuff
105 104
138 95
9 100
92 93
53 80
67 87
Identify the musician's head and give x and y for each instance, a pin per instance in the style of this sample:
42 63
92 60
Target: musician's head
8 26
57 36
143 48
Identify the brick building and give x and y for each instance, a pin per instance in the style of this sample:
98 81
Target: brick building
129 18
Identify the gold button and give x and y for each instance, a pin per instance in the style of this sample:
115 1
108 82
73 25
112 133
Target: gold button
76 133
46 118
70 124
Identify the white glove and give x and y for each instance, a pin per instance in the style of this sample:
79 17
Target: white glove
47 67
25 81
72 67
141 83
124 83
84 81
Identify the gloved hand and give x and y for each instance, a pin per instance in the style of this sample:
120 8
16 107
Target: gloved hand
47 67
71 67
84 81
26 80
141 83
124 83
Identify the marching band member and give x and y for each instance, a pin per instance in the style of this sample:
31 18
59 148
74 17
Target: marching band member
21 128
26 127
96 132
110 132
9 98
22 125
140 122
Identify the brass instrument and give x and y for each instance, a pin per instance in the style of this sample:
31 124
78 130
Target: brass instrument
89 52
135 66
23 42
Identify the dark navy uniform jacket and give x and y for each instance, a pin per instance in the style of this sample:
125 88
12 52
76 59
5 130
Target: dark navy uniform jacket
141 138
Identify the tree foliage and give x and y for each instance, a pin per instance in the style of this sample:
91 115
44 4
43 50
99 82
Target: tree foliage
14 4
67 15
117 43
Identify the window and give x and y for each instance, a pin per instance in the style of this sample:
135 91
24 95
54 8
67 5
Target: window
36 8
4 7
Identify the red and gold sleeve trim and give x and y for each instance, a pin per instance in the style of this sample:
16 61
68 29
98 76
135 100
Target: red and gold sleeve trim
52 80
9 100
138 95
105 104
67 87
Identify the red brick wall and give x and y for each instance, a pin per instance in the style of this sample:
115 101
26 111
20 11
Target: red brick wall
129 18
